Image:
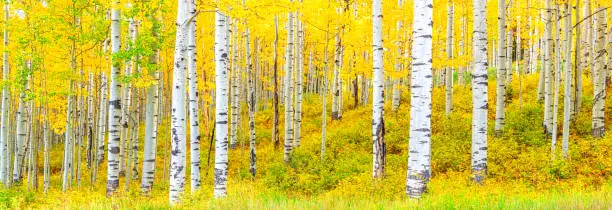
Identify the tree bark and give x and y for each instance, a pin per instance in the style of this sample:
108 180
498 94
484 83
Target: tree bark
599 77
194 111
500 96
378 102
449 54
419 158
289 91
178 123
480 103
221 99
567 95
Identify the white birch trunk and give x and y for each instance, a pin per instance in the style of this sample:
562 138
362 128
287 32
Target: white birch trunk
251 97
178 123
22 134
235 83
324 98
193 97
299 76
67 141
500 97
289 91
548 77
395 100
114 105
419 146
567 95
221 98
378 102
480 103
4 130
335 115
449 54
599 76
102 114
557 79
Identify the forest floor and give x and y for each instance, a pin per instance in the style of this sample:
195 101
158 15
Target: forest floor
521 174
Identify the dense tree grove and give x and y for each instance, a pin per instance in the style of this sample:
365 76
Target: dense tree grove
129 90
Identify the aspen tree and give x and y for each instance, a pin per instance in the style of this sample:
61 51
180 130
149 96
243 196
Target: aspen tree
221 99
4 132
599 86
152 117
395 101
378 123
567 86
299 76
449 54
114 103
548 68
419 146
178 123
194 131
500 96
288 147
275 136
480 103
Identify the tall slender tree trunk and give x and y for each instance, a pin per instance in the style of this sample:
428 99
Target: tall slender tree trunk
557 78
299 76
102 118
114 105
480 103
500 96
275 137
335 112
193 97
47 145
178 123
449 54
68 147
324 97
221 98
289 91
378 102
567 93
599 76
419 168
548 68
576 65
395 101
151 119
235 84
4 130
251 105
585 49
